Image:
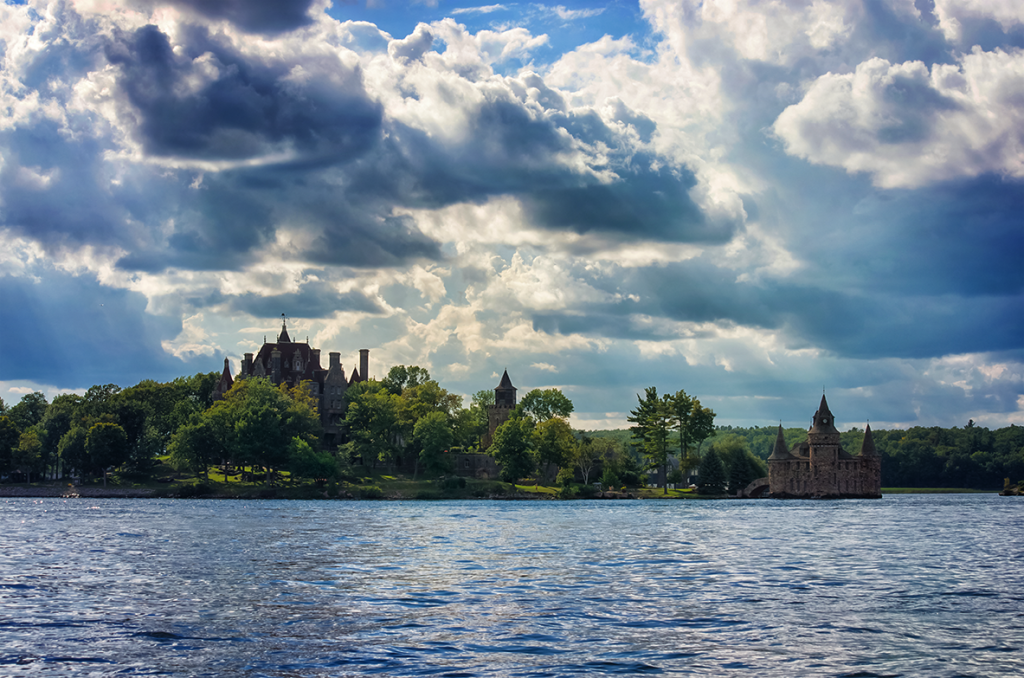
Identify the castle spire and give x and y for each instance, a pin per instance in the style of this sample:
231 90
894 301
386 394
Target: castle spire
780 451
283 338
867 448
823 421
505 381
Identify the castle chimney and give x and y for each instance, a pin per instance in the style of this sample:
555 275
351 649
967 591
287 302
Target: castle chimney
247 365
335 359
364 363
316 356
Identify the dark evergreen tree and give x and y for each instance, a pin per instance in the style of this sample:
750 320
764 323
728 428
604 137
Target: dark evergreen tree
712 474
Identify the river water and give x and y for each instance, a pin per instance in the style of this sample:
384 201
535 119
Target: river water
926 585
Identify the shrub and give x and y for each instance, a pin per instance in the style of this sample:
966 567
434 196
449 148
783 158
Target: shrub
566 477
196 490
371 492
567 492
452 483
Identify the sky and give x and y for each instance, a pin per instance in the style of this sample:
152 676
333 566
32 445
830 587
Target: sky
750 201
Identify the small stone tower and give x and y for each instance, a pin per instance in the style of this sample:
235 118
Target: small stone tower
501 410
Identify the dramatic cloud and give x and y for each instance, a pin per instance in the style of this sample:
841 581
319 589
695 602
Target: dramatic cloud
908 125
744 199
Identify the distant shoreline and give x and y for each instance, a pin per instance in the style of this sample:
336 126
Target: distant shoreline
72 492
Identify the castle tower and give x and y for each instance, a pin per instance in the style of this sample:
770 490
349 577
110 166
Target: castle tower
501 410
823 438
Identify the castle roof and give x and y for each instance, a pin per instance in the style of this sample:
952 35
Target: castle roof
823 421
283 338
780 451
308 359
867 448
506 383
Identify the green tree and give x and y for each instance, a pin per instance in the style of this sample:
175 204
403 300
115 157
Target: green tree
401 377
27 455
713 475
554 444
263 419
197 446
305 462
374 424
434 435
72 451
588 452
9 435
62 414
511 449
541 405
609 478
653 417
741 466
107 447
693 422
478 423
29 411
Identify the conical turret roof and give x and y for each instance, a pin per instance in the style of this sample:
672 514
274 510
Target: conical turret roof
780 451
505 381
867 448
823 421
283 337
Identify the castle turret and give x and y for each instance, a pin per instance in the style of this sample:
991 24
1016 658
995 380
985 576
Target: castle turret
505 392
224 383
867 448
780 451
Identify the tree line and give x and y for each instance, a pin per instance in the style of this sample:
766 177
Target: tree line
408 420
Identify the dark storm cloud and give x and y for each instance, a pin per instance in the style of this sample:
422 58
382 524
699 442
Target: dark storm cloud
254 16
249 110
72 201
312 300
961 238
326 161
511 152
847 323
74 332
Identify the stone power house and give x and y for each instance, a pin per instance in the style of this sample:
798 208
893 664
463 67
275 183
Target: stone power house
820 468
293 362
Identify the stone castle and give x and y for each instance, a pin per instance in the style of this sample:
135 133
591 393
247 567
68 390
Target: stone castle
820 468
293 362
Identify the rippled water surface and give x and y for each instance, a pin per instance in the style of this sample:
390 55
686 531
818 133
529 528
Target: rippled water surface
907 585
